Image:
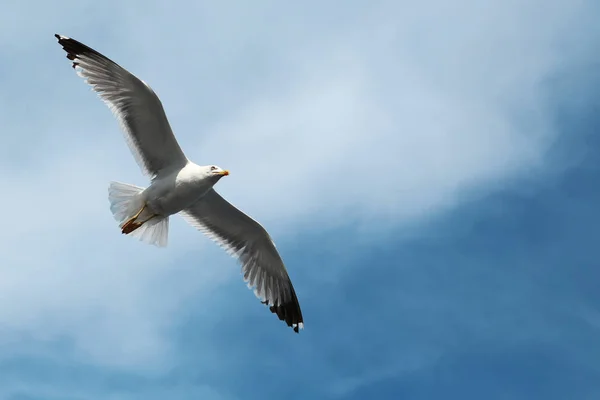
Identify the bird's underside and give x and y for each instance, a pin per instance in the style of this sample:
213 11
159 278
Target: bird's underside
147 131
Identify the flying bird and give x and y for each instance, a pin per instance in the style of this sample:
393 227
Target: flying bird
179 186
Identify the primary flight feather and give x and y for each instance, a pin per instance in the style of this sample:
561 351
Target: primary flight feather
178 185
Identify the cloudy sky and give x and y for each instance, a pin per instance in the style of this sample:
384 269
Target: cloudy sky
429 171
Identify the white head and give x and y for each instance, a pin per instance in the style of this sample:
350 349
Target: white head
215 173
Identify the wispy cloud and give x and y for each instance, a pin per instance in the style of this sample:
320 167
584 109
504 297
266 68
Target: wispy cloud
371 101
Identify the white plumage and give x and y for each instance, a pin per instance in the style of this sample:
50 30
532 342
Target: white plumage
179 185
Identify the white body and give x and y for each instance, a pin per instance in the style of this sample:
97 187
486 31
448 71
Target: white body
171 194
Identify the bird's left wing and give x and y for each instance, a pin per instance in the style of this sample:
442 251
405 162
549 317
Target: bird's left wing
136 106
247 240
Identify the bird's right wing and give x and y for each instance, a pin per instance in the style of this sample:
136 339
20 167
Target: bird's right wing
134 103
248 241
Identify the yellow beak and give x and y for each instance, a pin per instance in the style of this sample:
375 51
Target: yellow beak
225 173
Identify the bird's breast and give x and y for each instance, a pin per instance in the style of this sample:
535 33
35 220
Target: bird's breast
170 196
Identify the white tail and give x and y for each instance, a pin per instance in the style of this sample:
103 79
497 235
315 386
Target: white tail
125 202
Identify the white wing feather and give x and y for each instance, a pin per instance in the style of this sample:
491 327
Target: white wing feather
137 108
248 241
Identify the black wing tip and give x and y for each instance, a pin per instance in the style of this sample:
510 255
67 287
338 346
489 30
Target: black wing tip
75 49
71 46
64 40
289 312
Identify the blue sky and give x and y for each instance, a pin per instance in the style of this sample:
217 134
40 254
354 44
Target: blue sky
428 171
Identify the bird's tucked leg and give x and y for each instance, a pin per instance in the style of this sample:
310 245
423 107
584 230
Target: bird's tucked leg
131 224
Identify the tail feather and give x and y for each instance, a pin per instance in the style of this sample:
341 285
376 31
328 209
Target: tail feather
155 232
125 202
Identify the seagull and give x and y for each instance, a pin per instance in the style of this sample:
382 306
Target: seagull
179 186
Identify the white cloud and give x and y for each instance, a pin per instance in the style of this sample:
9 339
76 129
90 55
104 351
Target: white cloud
389 117
388 113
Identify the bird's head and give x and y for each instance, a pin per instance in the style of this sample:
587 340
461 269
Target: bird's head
216 173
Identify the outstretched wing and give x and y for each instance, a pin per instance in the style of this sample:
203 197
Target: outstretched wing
134 103
248 241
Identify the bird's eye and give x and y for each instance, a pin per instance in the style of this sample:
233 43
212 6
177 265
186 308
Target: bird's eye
213 168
